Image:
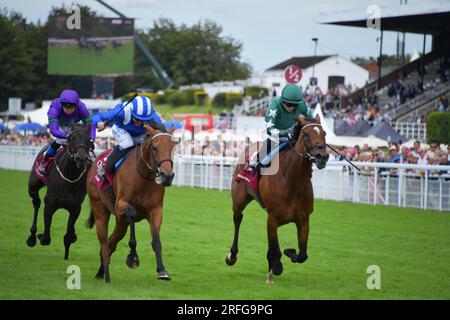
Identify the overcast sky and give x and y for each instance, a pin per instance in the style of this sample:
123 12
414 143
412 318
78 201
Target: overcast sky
270 31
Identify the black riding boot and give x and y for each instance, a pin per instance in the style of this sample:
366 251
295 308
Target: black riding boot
114 157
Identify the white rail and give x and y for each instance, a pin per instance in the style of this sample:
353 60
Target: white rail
402 185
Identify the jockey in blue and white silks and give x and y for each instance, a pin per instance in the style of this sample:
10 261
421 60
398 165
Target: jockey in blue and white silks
128 126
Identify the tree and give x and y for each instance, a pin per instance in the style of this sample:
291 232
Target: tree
194 54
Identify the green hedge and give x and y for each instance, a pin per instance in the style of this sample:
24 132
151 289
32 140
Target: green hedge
227 99
254 91
200 98
438 127
178 99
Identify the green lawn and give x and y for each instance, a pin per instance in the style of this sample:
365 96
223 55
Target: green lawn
412 248
85 62
167 110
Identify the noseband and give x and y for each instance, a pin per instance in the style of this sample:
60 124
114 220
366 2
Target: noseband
156 169
306 155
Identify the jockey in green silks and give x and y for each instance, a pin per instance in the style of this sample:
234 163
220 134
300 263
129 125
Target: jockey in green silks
281 117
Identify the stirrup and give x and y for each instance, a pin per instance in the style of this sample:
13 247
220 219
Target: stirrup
41 169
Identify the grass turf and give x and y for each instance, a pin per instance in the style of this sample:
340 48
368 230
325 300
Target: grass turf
85 62
412 248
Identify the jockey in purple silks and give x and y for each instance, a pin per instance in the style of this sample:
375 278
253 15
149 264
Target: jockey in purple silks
64 111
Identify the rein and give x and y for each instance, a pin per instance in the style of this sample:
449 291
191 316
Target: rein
152 169
64 177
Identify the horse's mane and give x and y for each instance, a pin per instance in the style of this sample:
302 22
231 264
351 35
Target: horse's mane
298 129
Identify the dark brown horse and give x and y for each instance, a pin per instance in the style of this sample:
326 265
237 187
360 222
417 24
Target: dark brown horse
287 194
138 186
66 187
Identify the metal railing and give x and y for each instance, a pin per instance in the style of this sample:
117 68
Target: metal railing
411 130
425 187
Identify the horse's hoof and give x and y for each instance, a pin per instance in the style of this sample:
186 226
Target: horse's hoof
291 253
44 240
302 258
99 276
163 275
229 260
269 279
31 241
277 268
132 261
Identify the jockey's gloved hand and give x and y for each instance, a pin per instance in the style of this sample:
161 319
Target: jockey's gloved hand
284 139
91 145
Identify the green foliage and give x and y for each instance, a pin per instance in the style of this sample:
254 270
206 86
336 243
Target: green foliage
189 54
233 98
219 99
201 98
227 99
189 96
438 127
255 92
178 99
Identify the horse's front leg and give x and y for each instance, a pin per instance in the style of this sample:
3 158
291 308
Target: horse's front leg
34 194
155 220
274 252
132 258
70 236
302 236
49 210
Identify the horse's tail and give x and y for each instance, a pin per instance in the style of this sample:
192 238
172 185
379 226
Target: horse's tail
90 221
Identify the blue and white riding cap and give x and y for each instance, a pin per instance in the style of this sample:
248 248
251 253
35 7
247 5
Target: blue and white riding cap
141 108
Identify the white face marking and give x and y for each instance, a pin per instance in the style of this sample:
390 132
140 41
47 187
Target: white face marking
317 130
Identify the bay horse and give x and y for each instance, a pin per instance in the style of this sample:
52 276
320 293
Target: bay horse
287 195
66 186
138 192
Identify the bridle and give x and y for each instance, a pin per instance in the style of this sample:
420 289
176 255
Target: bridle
72 157
154 169
72 153
306 155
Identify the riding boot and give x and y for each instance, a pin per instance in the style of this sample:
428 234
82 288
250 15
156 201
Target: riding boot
115 156
51 152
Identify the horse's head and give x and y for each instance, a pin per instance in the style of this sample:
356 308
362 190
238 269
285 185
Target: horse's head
157 151
79 143
311 141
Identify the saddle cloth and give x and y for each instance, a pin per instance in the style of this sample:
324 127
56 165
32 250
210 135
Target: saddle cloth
101 162
47 165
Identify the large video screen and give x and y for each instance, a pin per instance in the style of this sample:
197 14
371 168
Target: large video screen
99 47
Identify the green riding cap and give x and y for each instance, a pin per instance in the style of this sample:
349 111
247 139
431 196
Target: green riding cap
292 94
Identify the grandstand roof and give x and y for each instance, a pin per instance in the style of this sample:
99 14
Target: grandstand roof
302 62
426 17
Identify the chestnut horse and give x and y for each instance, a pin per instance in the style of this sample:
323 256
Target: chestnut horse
287 194
138 187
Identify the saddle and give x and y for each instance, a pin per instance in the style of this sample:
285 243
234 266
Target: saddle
101 183
48 164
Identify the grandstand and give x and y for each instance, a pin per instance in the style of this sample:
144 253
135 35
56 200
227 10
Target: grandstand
413 89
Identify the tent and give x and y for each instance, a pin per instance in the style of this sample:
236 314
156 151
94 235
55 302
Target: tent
29 126
349 141
384 131
323 121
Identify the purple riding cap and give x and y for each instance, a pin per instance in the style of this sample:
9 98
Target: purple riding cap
58 118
